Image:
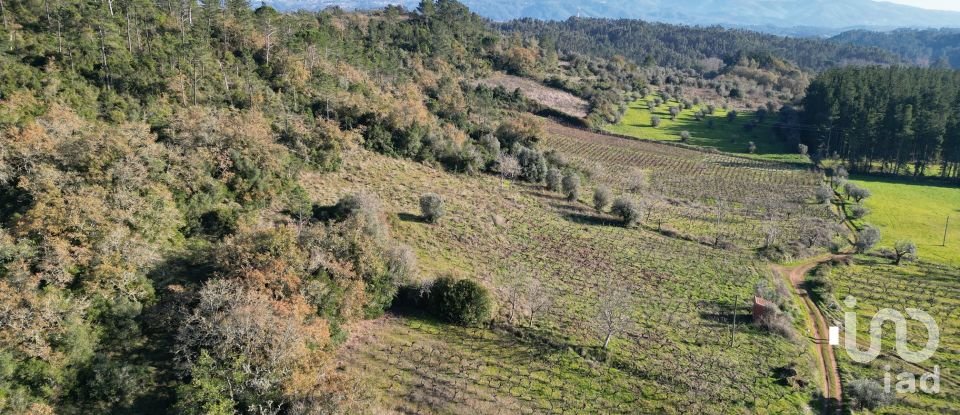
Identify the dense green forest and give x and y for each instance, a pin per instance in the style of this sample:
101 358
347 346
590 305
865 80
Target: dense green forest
931 47
687 47
890 120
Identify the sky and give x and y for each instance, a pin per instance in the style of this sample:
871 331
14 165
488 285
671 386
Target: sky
931 4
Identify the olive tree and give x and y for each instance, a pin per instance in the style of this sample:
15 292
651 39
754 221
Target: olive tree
571 186
905 250
627 209
601 198
554 179
868 394
867 238
823 194
431 207
859 211
855 192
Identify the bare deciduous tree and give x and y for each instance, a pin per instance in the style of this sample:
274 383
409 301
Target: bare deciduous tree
613 310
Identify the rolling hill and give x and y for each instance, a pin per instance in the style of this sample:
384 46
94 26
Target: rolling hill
740 13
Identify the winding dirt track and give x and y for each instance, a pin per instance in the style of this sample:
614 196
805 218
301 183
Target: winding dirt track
819 334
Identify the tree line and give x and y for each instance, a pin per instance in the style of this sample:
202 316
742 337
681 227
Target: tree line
680 46
893 120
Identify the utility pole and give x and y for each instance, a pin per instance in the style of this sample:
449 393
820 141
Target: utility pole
733 332
945 227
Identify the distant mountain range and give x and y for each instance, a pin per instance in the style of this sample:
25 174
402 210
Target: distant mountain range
806 16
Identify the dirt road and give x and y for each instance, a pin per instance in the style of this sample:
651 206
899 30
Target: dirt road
819 333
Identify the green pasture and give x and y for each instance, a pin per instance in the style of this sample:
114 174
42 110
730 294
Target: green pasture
724 135
918 212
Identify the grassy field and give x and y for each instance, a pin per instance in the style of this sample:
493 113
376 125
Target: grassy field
917 212
684 351
724 135
933 288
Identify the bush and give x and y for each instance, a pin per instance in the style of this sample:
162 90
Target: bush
462 302
684 136
525 130
491 146
533 166
601 198
655 121
775 321
431 207
364 208
626 209
507 166
868 394
554 177
571 186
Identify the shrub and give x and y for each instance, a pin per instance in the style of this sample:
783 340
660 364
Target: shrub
401 262
554 177
601 198
655 121
364 208
823 194
775 321
462 302
431 207
867 238
571 186
868 394
525 130
684 136
491 146
507 166
802 149
731 115
533 166
627 209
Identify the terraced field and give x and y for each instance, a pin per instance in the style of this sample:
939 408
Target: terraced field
692 188
933 288
688 345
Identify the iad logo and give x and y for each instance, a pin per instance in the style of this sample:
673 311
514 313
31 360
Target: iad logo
906 381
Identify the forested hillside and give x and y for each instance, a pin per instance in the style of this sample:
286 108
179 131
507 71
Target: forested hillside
932 47
686 46
891 120
770 14
157 250
205 208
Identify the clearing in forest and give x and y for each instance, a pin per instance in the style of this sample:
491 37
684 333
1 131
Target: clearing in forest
713 130
557 99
